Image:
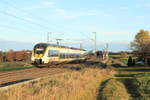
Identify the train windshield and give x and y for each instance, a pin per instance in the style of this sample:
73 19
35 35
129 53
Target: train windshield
40 48
39 51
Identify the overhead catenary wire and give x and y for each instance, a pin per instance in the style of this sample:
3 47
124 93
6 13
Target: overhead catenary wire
22 10
18 9
23 19
27 13
17 29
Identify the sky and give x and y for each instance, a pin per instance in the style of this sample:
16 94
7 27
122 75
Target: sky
115 21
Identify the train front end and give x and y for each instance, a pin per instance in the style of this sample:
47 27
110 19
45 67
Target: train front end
38 54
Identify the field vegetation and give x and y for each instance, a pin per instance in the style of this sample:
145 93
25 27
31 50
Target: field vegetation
122 56
77 85
113 90
8 66
15 60
136 81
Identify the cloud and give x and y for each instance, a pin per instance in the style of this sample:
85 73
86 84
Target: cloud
110 32
28 19
15 15
120 42
11 11
139 16
106 15
123 8
44 4
119 46
147 4
71 15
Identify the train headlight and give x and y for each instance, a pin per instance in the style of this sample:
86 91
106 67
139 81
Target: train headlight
41 55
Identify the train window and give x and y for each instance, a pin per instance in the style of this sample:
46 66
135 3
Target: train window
53 53
70 55
62 55
39 51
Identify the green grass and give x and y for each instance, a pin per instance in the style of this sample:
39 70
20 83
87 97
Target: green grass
137 81
122 59
3 69
9 66
114 55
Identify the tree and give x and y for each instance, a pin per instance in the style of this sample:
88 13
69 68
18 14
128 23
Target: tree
141 44
1 56
11 55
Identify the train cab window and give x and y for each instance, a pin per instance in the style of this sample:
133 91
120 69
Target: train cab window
53 53
39 51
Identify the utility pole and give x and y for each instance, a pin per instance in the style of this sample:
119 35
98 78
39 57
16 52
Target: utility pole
107 46
80 45
95 41
48 36
58 40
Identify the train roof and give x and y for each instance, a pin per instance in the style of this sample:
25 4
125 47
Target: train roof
53 45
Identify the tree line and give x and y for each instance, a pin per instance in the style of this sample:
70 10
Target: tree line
11 56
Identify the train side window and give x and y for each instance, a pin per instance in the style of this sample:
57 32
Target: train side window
53 53
62 55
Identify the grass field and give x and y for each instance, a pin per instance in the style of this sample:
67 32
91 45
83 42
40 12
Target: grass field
77 85
136 81
131 82
9 66
123 59
127 83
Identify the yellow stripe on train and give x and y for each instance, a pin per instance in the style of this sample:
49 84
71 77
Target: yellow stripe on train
38 55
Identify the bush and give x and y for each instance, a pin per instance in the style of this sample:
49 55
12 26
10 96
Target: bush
130 61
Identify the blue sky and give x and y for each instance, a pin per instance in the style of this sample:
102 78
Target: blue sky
115 21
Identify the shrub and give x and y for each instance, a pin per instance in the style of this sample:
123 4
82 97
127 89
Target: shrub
130 62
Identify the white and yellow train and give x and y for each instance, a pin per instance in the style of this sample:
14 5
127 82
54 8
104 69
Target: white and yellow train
44 54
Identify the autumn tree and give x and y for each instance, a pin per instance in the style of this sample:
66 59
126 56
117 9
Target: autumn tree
141 44
1 56
11 55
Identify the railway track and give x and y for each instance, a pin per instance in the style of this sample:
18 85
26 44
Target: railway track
14 77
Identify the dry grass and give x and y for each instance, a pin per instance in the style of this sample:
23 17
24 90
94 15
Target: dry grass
78 85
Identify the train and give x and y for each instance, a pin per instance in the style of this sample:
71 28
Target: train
46 54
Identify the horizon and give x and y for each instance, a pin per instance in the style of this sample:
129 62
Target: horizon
19 46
